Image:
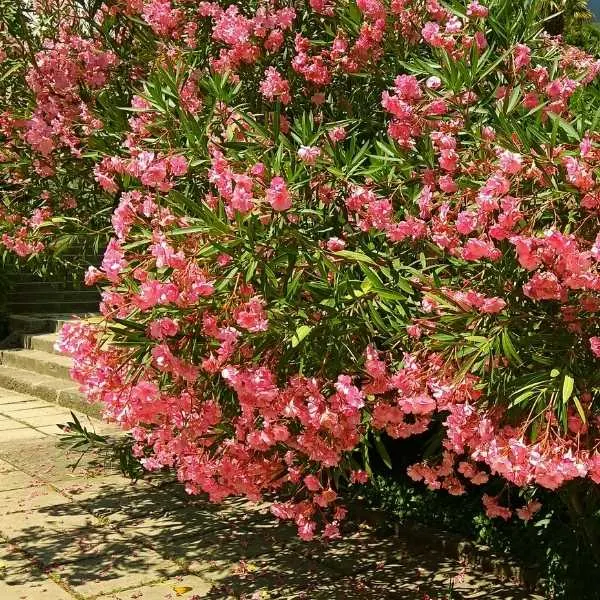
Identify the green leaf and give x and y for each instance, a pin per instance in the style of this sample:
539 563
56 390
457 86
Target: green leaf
405 285
355 256
579 409
386 294
567 389
383 453
508 348
372 276
251 269
300 334
565 126
513 100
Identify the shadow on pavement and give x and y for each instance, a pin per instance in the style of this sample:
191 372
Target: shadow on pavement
241 549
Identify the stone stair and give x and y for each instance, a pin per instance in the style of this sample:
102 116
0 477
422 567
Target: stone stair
32 366
29 294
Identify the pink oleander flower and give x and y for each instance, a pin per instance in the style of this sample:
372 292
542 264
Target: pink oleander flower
353 398
492 305
407 88
323 7
414 331
433 83
361 477
578 174
420 404
372 9
224 259
337 134
163 328
306 530
242 198
476 249
522 56
278 195
335 244
594 467
510 162
331 531
544 286
251 316
178 165
309 154
275 87
448 184
474 9
312 483
449 160
113 262
431 34
527 512
93 276
493 509
162 17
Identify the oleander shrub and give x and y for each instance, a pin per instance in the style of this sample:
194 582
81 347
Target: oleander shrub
333 223
63 77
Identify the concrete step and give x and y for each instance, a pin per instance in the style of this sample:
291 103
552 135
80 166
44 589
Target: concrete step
52 389
44 342
44 323
52 296
30 324
22 277
70 308
35 286
38 362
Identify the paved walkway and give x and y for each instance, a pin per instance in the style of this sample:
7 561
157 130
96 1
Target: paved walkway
89 533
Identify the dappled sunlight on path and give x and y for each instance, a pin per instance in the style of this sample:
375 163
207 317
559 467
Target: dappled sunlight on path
89 533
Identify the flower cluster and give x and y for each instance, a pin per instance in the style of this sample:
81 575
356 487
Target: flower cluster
56 77
330 225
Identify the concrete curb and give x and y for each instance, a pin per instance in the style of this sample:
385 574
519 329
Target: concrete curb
420 536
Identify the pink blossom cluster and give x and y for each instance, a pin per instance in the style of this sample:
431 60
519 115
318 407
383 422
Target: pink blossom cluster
61 116
291 433
246 192
244 39
25 235
154 171
249 230
162 17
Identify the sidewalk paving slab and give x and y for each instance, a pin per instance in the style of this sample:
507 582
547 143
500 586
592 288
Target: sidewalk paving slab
177 587
12 437
51 462
16 480
87 533
29 499
116 569
18 405
8 423
6 467
20 579
35 589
